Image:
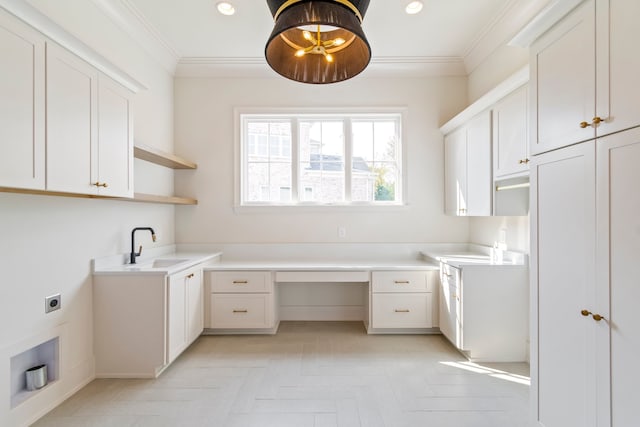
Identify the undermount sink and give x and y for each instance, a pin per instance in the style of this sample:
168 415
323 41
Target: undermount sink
160 263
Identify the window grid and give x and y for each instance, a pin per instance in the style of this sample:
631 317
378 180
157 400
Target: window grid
374 179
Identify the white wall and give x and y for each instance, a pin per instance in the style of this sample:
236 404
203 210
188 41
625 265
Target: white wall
47 243
205 131
501 64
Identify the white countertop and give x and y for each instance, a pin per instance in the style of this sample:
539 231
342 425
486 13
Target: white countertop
321 265
180 261
173 260
476 255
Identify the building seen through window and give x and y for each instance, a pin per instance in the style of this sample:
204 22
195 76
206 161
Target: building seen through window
305 159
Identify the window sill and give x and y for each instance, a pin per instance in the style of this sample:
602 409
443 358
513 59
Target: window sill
314 208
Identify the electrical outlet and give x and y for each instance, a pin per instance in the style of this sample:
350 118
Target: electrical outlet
502 236
342 232
52 303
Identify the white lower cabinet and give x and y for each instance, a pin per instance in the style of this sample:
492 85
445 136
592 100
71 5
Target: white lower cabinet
143 322
241 300
185 313
484 311
402 299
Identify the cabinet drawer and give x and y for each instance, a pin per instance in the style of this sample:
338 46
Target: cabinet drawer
241 281
402 281
402 311
229 311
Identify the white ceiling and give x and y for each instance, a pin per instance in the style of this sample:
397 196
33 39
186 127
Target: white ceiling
447 36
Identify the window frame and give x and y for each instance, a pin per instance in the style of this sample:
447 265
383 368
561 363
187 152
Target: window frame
325 114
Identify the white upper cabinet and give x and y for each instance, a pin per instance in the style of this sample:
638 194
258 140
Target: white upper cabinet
563 82
479 165
89 129
511 134
21 105
618 65
64 125
72 87
583 75
115 139
455 172
468 168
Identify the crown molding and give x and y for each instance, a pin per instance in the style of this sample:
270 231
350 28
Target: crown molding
36 19
513 82
130 20
515 15
544 20
247 67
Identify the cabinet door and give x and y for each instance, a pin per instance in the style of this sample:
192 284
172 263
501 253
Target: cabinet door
449 305
176 316
21 105
71 123
115 139
563 81
479 166
195 301
618 65
455 172
618 339
563 284
511 134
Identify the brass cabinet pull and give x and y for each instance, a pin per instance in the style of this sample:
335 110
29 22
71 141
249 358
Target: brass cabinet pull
594 122
401 282
596 317
523 161
101 184
240 282
241 311
404 310
190 276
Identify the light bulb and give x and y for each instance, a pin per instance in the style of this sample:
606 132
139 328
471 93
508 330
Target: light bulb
307 35
329 57
339 41
226 8
300 53
413 7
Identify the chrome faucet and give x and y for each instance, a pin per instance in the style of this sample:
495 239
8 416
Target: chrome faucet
134 254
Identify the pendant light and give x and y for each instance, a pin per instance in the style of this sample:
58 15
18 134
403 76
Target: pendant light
318 41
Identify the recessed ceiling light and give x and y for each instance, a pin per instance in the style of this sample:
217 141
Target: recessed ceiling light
226 8
413 7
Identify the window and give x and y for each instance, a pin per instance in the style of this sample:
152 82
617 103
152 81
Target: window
320 159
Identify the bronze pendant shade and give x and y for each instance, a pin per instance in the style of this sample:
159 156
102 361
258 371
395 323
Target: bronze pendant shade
318 41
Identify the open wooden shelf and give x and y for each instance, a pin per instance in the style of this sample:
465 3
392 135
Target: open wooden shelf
174 200
137 197
168 160
142 152
162 158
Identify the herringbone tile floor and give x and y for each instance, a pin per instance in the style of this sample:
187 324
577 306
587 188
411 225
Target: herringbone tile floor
310 374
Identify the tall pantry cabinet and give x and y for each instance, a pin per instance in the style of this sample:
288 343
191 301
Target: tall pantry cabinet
585 221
